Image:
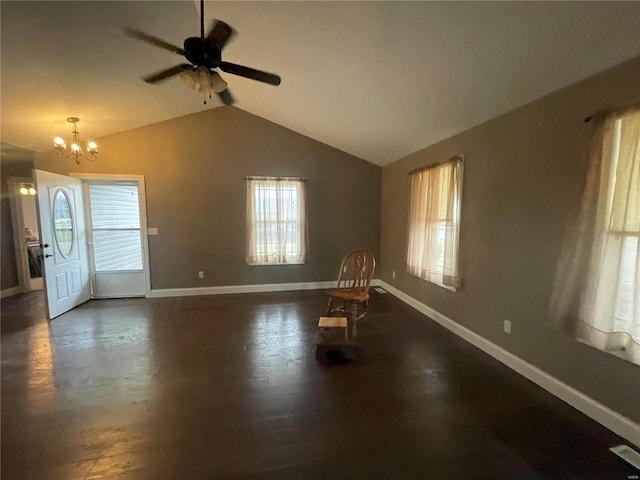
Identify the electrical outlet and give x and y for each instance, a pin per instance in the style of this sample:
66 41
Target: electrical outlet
507 326
393 274
201 274
344 269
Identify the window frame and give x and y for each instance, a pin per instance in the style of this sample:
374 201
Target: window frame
299 223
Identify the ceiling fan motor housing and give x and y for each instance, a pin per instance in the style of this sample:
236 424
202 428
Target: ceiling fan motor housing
199 52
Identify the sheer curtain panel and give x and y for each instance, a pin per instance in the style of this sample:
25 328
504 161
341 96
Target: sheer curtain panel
434 223
276 222
597 287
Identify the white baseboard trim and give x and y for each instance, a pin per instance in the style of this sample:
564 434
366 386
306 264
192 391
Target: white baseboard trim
619 424
259 288
7 292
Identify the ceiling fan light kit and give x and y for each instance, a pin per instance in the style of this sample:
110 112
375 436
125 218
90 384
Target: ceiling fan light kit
75 151
204 54
204 81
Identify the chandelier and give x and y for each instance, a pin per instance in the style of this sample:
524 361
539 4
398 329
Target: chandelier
75 151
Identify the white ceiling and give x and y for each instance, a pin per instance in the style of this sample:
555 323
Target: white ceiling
376 79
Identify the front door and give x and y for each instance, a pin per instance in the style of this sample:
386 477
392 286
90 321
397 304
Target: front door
64 242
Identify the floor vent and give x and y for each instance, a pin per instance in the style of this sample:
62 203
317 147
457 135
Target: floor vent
628 454
380 290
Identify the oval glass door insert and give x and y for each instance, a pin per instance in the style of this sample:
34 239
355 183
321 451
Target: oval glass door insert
63 223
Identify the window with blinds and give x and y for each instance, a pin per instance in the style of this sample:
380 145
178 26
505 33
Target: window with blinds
115 221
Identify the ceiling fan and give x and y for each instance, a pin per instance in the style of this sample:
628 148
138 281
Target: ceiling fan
205 55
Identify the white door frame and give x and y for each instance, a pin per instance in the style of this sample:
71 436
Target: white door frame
87 178
17 222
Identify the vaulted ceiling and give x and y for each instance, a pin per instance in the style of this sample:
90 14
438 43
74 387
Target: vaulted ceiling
376 79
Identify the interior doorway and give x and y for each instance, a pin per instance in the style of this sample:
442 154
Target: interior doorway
26 234
32 240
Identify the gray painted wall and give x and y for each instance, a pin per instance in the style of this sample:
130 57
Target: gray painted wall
194 168
16 162
523 177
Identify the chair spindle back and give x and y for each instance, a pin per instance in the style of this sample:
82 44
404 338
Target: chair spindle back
356 270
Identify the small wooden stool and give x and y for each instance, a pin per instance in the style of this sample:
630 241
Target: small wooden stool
332 336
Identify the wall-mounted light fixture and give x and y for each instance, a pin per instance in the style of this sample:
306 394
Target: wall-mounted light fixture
27 189
76 151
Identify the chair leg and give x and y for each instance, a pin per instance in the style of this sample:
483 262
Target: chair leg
365 310
354 317
329 306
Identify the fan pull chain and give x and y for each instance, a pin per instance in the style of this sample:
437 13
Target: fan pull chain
205 96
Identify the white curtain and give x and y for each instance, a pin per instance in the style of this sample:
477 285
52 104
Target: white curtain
276 222
598 283
434 223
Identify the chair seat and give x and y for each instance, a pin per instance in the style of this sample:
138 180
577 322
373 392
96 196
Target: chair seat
356 294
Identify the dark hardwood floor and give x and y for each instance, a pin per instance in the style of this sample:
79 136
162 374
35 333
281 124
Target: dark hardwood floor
228 387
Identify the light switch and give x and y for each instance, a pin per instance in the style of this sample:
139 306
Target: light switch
152 231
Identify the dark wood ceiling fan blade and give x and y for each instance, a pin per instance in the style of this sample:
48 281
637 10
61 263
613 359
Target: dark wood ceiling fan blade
226 97
219 34
158 42
242 71
165 74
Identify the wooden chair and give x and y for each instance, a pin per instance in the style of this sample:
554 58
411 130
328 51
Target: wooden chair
352 292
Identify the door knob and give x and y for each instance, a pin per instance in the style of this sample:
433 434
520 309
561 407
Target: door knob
47 255
44 245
